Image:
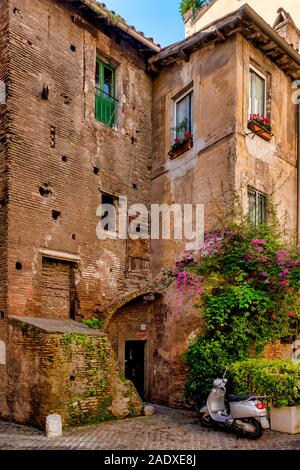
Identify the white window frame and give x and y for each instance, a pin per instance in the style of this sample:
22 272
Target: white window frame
258 194
260 74
175 101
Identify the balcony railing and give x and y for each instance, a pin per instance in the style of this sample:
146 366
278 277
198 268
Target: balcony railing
105 107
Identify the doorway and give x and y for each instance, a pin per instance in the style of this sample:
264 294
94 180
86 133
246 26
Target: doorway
58 290
135 364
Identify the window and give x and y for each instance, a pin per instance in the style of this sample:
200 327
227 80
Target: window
105 101
184 115
257 92
257 206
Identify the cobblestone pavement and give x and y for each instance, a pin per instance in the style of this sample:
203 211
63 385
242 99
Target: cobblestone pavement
167 430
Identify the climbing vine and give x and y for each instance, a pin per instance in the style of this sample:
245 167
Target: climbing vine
245 283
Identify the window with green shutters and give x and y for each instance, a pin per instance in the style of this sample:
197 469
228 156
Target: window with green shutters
105 101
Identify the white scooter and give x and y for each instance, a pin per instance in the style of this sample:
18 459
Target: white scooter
247 415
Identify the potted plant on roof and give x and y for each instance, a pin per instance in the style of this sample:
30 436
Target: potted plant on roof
183 140
260 125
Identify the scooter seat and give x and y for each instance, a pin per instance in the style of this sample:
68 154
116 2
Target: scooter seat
237 398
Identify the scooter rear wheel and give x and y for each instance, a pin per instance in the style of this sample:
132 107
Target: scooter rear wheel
206 420
258 432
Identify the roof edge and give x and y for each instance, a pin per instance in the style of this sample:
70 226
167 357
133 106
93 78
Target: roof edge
244 13
99 11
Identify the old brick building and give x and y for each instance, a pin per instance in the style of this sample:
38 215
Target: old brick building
90 115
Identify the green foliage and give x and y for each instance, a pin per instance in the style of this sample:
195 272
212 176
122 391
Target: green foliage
194 5
205 360
277 380
95 323
245 283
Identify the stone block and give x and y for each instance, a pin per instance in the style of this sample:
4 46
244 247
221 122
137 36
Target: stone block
53 426
149 410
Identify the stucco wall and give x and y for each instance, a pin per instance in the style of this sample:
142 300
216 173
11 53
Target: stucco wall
269 167
266 9
203 174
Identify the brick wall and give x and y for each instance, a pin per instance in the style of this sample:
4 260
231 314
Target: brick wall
3 158
62 158
170 323
74 375
57 289
3 367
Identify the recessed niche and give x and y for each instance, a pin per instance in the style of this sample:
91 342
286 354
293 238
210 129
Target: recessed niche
56 215
19 266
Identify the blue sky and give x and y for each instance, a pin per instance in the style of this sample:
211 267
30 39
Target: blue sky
159 19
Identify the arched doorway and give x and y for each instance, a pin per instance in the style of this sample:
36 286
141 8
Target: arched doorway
128 324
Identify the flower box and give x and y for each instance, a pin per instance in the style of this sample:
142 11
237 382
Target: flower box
286 419
181 147
260 129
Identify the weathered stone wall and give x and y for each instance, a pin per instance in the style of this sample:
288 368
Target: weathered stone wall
269 167
289 33
3 363
175 321
62 158
74 375
3 157
126 325
267 10
170 322
203 174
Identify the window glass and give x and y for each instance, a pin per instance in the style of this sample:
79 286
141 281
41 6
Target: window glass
184 116
257 93
257 207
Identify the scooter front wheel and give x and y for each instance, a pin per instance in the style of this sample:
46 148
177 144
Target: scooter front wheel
206 420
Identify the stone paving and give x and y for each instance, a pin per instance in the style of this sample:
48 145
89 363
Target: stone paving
166 430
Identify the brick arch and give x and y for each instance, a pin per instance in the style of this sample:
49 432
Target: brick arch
110 312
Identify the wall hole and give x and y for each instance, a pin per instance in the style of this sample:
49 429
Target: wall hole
56 215
52 136
64 158
45 191
73 48
73 236
45 92
67 99
96 170
134 185
19 266
29 42
1 314
72 378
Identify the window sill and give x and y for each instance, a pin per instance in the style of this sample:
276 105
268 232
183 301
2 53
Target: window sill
180 149
259 130
105 126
